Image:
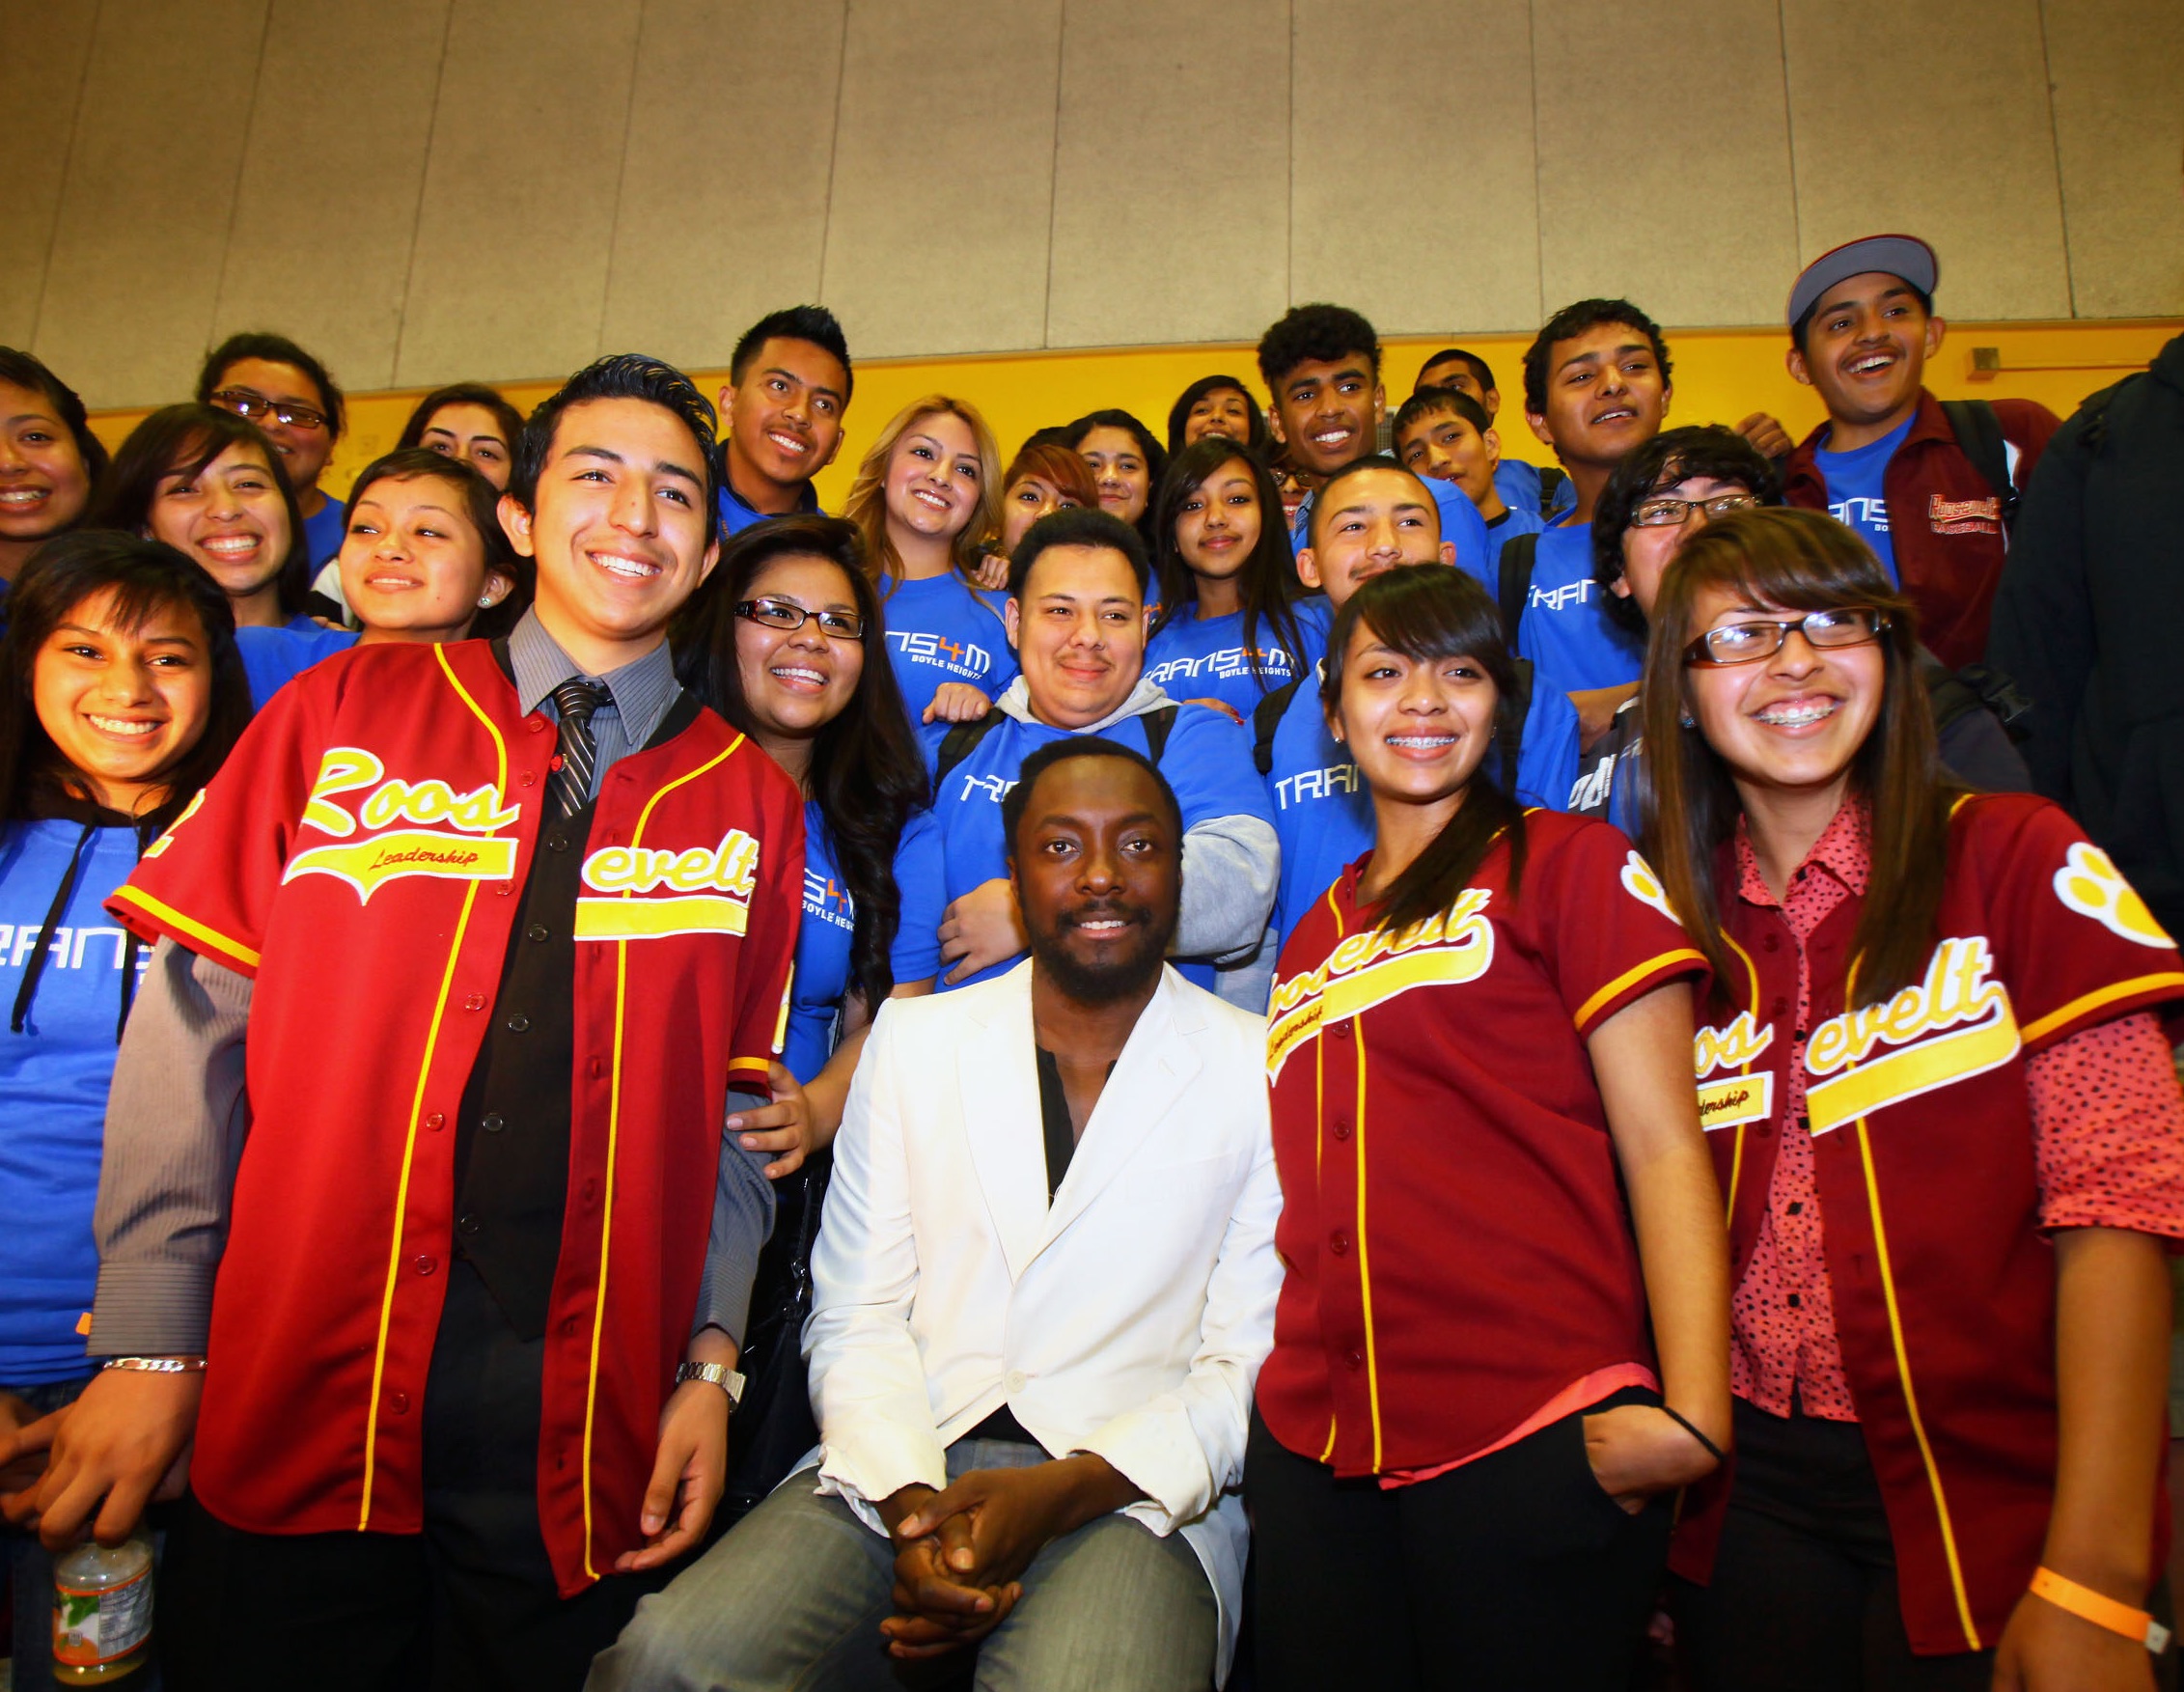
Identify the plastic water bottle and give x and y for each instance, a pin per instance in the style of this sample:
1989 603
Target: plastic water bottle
101 1611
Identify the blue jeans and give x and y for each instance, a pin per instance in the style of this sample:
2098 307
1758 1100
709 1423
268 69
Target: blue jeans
793 1595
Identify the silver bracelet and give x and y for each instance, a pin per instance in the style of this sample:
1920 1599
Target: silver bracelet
157 1364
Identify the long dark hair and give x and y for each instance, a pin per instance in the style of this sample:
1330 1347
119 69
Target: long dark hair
1265 580
1428 611
1689 805
144 576
183 440
480 504
1154 453
867 775
1179 413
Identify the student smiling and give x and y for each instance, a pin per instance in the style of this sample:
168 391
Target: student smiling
1937 1008
209 485
781 412
925 499
292 398
1227 633
49 459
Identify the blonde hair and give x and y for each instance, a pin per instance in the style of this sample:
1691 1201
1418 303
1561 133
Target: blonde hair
866 504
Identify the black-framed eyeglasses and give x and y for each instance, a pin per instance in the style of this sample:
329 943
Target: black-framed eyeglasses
781 615
1665 511
245 402
1746 643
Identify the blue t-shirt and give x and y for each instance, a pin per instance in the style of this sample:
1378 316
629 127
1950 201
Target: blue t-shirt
1514 521
1194 659
1208 760
1854 494
942 629
735 516
272 658
1518 484
1461 524
1323 811
53 1082
1573 642
829 923
323 533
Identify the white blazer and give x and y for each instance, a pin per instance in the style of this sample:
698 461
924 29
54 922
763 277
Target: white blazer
1130 1319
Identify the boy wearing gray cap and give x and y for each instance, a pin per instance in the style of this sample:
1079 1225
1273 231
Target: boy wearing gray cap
1930 487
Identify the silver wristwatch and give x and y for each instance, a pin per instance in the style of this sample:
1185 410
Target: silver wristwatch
719 1373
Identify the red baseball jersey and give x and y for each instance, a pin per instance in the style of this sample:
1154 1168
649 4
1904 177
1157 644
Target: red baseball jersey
1922 1150
358 856
1457 1249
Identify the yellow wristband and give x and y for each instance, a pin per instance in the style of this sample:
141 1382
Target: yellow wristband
2101 1610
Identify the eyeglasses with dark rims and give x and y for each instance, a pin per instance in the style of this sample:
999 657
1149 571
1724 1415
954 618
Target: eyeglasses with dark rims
1746 643
249 403
787 618
1666 511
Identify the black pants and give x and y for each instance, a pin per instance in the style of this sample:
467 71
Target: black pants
468 1603
1513 1571
1803 1596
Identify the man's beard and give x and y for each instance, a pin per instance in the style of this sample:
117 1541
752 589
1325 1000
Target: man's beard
1116 977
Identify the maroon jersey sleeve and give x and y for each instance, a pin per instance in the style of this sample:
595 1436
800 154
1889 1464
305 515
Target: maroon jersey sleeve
769 941
2072 939
1605 931
208 883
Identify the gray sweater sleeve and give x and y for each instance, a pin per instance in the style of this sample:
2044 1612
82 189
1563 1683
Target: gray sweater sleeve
743 1211
175 1120
1230 868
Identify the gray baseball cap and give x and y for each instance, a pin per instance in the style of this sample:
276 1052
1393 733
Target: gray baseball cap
1896 255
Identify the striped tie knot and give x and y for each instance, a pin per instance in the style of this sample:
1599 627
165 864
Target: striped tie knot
577 701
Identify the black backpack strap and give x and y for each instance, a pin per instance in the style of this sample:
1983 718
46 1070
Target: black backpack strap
1519 554
1157 726
1551 482
1510 738
1979 437
960 741
1266 719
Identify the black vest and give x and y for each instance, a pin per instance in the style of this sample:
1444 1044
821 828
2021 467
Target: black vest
512 1135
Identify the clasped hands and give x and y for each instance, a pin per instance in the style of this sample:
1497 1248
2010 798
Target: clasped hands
960 1553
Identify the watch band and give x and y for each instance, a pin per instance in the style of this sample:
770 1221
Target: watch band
719 1373
156 1365
2101 1610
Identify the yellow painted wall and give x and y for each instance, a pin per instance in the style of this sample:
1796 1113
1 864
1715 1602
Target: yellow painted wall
1721 375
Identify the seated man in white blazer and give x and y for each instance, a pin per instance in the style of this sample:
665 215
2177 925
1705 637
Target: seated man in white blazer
1043 1287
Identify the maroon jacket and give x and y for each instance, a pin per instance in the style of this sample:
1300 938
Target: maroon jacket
1944 520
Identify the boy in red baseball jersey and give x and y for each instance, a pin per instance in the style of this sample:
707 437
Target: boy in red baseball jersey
482 982
1952 1146
1490 1370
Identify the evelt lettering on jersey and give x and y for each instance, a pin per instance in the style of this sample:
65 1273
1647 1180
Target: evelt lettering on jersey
1370 969
649 893
1946 1028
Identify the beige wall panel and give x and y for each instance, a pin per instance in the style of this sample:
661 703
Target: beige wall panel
40 79
724 185
1945 135
942 177
1437 232
511 270
1664 157
151 186
331 176
2117 69
1171 176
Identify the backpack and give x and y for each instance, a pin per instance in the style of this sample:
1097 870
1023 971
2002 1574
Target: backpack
1979 438
962 740
1551 482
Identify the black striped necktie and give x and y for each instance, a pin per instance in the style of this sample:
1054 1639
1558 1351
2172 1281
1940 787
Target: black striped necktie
571 787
